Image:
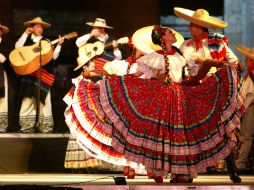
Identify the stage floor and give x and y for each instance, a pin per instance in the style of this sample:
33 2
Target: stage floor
106 182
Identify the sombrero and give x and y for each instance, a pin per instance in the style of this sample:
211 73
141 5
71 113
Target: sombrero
5 29
248 52
87 52
82 60
99 22
142 40
200 17
37 20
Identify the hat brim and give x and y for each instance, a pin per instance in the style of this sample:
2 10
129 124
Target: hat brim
45 24
142 40
210 22
81 62
5 29
245 51
98 25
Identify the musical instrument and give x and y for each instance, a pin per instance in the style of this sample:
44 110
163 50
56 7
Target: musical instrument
26 60
90 50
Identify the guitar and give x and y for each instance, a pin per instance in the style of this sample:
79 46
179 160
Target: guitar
26 60
97 47
90 50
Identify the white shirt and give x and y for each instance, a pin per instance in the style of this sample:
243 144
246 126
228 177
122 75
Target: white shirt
21 41
82 40
191 54
2 57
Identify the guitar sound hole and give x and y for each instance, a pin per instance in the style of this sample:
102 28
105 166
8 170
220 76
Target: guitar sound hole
95 48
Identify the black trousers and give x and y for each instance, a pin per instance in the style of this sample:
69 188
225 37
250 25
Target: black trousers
230 162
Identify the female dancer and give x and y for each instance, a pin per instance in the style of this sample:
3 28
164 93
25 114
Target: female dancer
164 125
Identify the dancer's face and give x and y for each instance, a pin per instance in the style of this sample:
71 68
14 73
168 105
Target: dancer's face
169 36
90 66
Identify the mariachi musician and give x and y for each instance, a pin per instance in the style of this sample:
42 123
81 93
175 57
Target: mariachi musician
28 89
3 85
98 33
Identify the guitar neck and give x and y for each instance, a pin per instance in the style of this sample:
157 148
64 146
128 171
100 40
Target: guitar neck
54 41
119 41
67 36
108 44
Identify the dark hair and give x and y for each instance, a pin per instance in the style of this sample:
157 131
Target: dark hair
205 29
157 32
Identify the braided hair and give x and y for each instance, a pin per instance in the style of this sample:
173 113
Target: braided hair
157 33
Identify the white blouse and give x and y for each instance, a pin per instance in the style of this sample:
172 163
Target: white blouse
151 63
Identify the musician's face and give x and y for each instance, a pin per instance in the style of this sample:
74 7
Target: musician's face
37 29
100 29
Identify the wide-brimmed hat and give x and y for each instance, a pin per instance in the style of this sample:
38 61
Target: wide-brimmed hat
5 29
88 52
142 40
37 20
82 61
99 22
248 52
200 17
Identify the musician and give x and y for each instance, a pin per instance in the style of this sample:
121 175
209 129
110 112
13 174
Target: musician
3 85
99 33
29 83
247 128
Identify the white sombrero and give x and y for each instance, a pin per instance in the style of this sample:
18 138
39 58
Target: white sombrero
82 60
5 29
88 52
248 52
142 40
37 20
200 17
99 22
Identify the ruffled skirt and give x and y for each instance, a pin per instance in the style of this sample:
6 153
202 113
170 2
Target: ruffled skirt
165 127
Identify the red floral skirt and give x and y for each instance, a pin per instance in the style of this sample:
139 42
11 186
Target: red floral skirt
165 127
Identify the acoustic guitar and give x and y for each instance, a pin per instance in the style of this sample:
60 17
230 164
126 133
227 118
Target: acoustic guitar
90 50
26 60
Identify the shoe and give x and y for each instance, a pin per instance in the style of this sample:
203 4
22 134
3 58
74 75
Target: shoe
174 180
126 170
234 177
30 130
181 178
158 179
131 174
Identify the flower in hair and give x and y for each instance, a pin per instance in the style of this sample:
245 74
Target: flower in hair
159 30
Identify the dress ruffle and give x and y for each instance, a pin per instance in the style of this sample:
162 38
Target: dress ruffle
153 60
165 127
87 123
173 128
